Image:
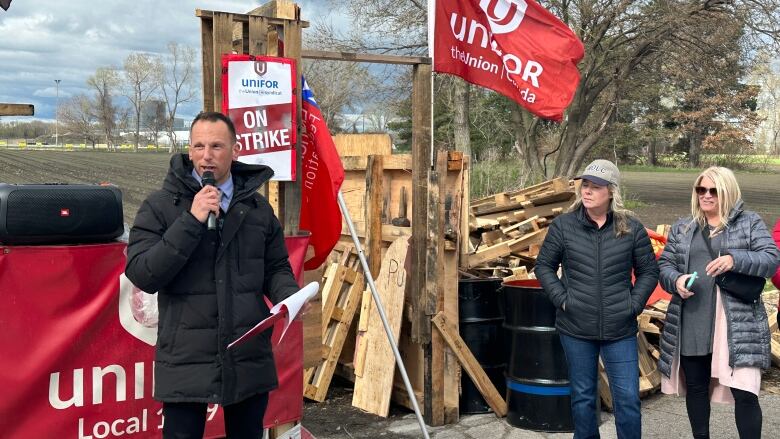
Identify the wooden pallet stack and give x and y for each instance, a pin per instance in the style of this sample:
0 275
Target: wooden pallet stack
507 229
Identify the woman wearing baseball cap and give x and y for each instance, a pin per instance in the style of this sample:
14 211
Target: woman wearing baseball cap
717 340
599 244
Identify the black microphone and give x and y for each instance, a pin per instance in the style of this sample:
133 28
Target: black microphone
208 180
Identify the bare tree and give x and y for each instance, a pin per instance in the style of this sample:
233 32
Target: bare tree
78 117
767 76
104 82
620 36
177 83
337 86
156 121
141 79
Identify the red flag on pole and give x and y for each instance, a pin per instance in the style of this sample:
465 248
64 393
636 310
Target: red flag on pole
322 178
515 47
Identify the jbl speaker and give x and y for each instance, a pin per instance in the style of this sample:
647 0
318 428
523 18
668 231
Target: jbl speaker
59 214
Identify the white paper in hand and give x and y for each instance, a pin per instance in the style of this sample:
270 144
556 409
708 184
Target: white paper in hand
287 309
294 303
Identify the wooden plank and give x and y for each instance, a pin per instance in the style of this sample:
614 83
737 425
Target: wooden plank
17 109
363 145
223 44
373 388
454 190
554 197
278 8
331 295
464 212
523 225
470 364
488 254
421 154
365 57
434 358
258 35
207 57
401 162
361 337
276 432
604 392
243 18
312 333
374 196
292 49
547 210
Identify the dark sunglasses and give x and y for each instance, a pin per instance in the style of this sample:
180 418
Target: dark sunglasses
701 190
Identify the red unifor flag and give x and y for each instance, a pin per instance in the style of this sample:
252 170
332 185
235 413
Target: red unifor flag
322 178
515 47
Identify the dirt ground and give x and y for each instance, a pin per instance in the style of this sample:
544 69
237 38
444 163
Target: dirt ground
136 174
665 195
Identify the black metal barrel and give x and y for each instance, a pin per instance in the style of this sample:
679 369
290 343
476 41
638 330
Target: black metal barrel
537 381
481 328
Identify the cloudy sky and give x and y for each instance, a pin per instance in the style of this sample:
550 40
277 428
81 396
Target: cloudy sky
44 40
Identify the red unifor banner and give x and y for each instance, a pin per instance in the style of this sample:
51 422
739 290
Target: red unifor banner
515 47
259 96
75 362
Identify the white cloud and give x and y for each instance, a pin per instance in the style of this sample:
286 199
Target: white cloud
45 40
51 92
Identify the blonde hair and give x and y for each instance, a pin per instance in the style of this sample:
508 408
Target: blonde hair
729 195
620 214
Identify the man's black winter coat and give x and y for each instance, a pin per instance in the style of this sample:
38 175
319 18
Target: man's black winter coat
601 300
210 286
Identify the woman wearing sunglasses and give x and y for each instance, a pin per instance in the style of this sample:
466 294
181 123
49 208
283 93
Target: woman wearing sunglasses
714 344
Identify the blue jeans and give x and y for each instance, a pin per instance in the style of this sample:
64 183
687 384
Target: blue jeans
621 364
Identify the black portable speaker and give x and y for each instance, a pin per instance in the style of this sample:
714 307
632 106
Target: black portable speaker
59 213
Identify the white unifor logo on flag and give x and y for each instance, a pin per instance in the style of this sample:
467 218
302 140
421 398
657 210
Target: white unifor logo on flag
504 16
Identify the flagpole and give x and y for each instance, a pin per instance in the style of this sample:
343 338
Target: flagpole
382 315
431 53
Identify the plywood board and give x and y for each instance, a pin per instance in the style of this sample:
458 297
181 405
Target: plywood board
362 145
373 388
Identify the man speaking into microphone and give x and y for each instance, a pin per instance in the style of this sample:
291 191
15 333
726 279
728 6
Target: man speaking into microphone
210 246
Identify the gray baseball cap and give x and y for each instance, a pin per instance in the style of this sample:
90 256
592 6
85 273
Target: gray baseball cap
602 172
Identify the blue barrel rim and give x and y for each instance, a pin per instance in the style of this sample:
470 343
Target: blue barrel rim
538 390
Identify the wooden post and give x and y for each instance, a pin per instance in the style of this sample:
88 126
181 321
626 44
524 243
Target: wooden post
373 203
424 293
421 158
433 301
290 205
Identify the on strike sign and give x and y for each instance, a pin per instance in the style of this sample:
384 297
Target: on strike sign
259 97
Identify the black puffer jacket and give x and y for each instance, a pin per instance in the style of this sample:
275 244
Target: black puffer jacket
747 240
209 286
601 301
